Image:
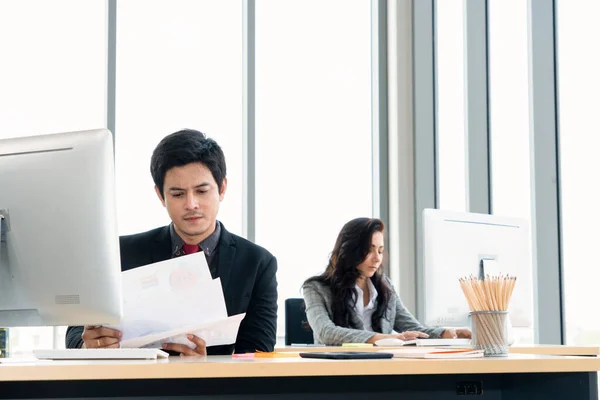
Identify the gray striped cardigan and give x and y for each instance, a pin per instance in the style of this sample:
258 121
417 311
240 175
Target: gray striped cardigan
318 299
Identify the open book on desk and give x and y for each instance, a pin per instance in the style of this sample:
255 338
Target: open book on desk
432 352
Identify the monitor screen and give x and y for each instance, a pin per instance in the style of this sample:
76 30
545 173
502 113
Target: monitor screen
59 249
454 246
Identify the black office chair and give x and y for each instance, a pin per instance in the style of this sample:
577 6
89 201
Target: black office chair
297 329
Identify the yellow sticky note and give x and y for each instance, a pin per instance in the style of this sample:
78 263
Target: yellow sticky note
357 345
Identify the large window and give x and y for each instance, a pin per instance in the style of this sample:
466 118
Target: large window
509 108
179 65
509 115
450 96
52 79
578 89
52 74
313 125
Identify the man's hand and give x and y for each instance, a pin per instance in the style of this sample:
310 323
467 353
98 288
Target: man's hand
462 333
411 335
183 350
95 337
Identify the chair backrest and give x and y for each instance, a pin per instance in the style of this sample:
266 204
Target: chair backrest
297 329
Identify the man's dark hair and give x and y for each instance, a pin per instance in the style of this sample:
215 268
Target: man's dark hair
186 147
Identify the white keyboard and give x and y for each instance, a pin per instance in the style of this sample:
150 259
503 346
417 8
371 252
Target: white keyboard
390 342
443 342
100 354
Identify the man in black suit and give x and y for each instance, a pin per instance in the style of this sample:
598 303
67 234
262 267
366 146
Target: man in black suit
189 173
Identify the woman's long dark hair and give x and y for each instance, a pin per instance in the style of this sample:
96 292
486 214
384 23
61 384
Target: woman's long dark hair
352 248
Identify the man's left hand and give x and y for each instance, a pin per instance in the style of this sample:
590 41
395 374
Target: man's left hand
183 350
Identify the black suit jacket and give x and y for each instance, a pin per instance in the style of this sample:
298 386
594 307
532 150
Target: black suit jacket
247 273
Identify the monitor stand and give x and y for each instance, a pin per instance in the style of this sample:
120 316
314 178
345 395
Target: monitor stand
487 266
10 318
4 224
4 228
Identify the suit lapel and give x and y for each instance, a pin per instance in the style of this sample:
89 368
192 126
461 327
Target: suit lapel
161 250
227 251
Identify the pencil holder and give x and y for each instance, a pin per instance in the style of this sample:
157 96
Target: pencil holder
490 332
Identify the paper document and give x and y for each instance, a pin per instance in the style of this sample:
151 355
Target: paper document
171 298
214 333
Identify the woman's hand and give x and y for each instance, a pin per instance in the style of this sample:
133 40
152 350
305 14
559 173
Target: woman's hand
461 333
412 335
408 335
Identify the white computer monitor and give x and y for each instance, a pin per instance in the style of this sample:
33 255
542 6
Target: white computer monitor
59 250
454 245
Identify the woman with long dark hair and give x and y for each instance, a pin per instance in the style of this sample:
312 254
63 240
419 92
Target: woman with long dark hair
353 301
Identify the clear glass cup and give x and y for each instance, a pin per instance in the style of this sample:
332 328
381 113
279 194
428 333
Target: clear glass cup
490 332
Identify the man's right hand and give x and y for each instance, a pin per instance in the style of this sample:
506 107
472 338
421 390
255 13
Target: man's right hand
95 337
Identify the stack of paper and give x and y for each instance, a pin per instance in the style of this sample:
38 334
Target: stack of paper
164 301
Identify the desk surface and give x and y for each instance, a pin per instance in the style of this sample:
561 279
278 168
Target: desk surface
541 349
226 367
556 350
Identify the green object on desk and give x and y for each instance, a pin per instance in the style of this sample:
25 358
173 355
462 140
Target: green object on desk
3 342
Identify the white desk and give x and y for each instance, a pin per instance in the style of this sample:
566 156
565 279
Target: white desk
540 349
518 376
555 350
